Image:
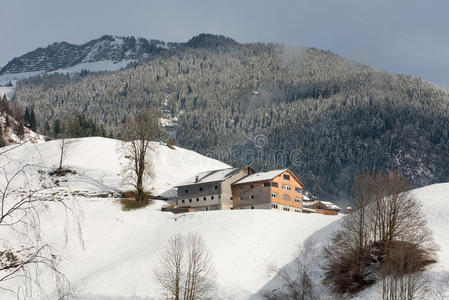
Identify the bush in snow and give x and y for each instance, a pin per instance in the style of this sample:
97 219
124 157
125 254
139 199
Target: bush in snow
385 238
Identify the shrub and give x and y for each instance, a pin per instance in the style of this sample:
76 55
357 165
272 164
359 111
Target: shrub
129 202
132 204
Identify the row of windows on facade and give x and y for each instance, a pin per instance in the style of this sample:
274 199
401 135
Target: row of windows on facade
275 195
285 197
275 206
198 199
275 184
201 189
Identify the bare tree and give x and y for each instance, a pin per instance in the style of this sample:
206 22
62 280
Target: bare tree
185 270
299 284
171 270
20 206
137 134
65 143
386 238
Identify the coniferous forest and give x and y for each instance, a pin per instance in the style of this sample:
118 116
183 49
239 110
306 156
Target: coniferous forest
272 106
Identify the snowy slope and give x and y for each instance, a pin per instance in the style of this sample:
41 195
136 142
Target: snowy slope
100 161
103 65
122 248
11 137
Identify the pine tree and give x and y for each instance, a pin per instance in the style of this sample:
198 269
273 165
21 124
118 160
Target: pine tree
56 128
20 130
5 105
46 128
26 117
33 124
2 138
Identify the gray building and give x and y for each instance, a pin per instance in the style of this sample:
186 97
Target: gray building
211 190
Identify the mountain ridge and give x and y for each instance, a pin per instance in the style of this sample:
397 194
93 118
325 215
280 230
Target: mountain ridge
63 55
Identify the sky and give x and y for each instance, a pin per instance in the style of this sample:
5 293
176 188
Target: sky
399 36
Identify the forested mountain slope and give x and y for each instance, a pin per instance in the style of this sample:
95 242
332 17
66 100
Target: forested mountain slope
323 116
63 55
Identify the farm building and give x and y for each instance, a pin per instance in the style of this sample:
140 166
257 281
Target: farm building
211 190
277 189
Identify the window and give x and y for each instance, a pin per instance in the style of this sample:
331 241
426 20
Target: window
286 208
252 186
274 195
201 189
190 200
298 190
286 177
183 201
219 196
204 198
241 187
252 196
286 187
297 200
297 210
274 184
207 208
187 191
197 199
216 187
212 197
252 207
274 205
265 184
286 197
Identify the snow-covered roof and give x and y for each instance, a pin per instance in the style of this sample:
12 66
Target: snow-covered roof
261 176
328 204
331 205
211 176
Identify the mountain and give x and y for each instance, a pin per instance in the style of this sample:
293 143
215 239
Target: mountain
61 56
273 106
64 55
118 250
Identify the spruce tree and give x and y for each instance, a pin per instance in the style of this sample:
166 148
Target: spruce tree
20 130
33 124
2 138
26 117
56 128
47 128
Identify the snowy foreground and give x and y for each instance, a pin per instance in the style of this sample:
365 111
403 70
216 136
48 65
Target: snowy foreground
115 252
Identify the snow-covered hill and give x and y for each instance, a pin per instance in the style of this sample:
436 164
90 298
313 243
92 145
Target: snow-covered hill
64 55
10 136
108 53
100 161
121 249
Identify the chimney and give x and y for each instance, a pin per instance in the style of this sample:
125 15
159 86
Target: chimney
197 178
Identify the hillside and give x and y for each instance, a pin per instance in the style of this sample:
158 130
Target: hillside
99 163
274 106
64 55
120 249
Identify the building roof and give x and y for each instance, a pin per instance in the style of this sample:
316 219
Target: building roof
329 205
263 176
211 176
